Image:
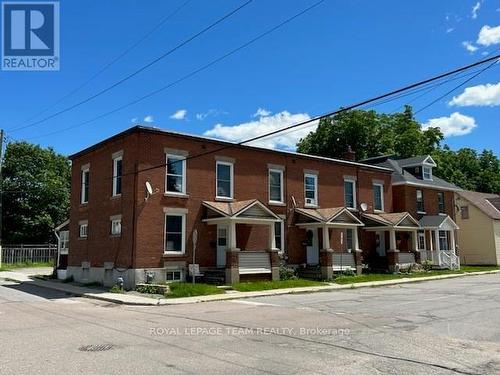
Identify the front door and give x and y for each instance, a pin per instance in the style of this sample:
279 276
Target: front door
380 240
312 247
221 245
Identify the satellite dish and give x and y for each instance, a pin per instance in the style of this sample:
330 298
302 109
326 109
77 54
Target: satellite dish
363 206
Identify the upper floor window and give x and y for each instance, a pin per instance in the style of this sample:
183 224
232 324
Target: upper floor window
420 201
427 173
85 180
275 185
378 197
311 189
175 233
441 203
350 193
175 181
117 175
224 176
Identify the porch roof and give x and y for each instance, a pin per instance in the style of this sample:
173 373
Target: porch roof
247 211
334 216
444 222
395 220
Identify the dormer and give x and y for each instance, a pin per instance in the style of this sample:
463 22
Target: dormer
420 166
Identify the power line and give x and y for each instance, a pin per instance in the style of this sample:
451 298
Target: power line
144 67
328 114
187 76
111 63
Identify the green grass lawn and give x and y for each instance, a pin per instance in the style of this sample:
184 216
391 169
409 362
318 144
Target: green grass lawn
9 267
178 290
279 284
387 276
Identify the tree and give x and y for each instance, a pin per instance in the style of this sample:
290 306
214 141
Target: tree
370 134
36 191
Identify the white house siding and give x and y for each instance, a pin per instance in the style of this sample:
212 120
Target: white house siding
497 239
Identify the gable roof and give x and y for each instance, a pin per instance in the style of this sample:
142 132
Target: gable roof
394 219
329 215
489 204
402 177
417 160
237 208
437 221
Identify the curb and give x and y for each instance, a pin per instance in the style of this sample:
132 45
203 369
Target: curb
255 294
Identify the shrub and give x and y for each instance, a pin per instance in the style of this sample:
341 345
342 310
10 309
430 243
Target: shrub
427 265
287 273
116 289
152 288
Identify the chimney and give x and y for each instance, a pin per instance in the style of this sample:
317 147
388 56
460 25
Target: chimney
349 154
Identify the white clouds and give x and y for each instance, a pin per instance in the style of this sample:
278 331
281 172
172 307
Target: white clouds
454 125
480 95
265 124
475 10
134 119
450 30
469 46
210 113
149 118
180 114
489 35
261 112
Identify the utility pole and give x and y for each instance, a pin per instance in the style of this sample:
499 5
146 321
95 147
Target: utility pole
1 193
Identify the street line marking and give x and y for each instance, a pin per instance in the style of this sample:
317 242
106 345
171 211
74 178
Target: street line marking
256 303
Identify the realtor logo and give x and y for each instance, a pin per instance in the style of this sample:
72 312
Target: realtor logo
30 35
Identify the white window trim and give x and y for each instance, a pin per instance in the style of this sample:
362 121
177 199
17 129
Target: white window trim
430 173
115 177
180 270
316 200
280 171
231 182
82 190
116 220
421 235
183 234
80 226
381 197
183 158
416 201
354 201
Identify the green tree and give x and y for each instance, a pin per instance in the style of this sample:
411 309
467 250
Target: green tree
36 191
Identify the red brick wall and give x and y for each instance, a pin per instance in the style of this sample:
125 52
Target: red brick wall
405 199
250 181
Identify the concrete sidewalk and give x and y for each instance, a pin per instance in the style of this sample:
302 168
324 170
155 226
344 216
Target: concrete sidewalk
131 299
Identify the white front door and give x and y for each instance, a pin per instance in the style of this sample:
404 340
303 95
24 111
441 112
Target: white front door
380 239
222 231
312 247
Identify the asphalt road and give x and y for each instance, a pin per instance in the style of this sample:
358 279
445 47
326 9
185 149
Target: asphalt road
438 327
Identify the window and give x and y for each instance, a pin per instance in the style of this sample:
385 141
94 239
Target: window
421 240
175 174
464 212
85 185
116 227
224 171
378 197
64 239
278 235
175 227
173 275
427 173
311 189
83 230
348 239
420 201
443 240
350 193
275 186
441 203
117 176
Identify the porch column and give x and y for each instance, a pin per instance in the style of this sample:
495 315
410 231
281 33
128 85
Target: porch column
232 236
357 251
326 237
452 241
392 253
355 239
414 235
438 248
272 237
430 240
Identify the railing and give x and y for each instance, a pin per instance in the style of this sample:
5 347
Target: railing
425 255
406 258
12 254
448 259
343 261
254 262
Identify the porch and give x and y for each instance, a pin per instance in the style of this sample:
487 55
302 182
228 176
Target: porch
337 228
231 219
395 238
436 241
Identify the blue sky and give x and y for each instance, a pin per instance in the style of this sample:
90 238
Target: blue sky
338 53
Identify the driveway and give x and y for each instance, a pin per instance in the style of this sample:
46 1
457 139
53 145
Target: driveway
437 327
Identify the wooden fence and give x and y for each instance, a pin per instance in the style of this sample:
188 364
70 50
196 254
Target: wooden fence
12 254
